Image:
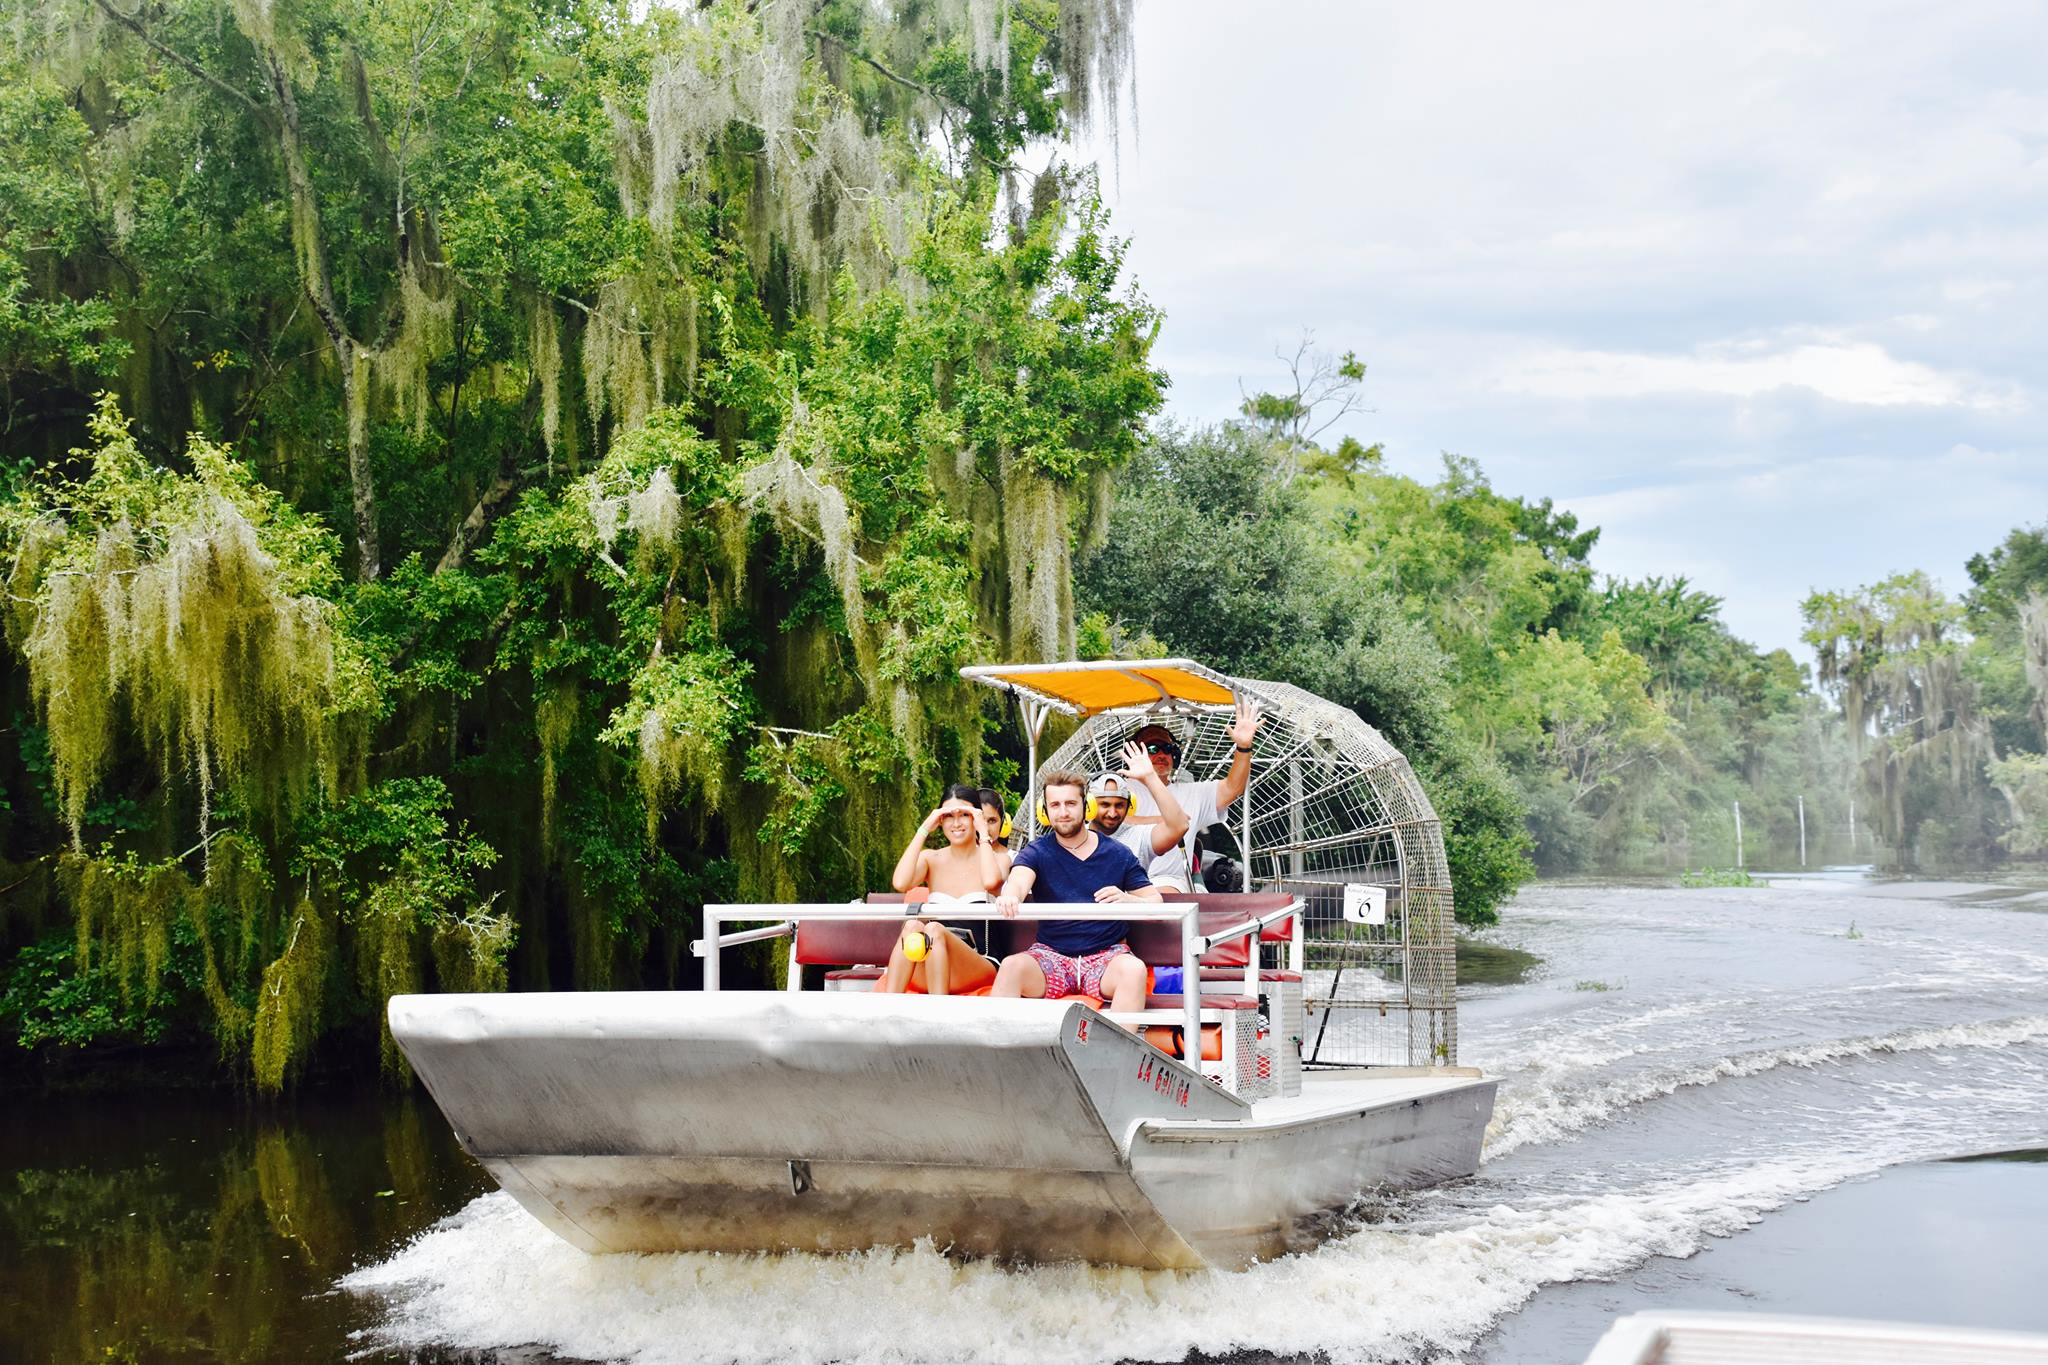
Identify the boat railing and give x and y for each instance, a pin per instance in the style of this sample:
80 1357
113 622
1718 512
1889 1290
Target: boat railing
1193 942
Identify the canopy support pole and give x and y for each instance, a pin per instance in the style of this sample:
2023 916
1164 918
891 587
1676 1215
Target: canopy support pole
1035 713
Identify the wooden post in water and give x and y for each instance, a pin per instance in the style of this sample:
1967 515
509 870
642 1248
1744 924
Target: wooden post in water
1738 836
1802 831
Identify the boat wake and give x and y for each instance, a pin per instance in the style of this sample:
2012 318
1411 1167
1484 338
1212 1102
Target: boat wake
1546 1113
492 1278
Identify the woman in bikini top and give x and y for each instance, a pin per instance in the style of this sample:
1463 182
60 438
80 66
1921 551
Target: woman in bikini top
965 871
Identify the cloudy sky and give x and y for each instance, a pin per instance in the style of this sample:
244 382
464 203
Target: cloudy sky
1757 289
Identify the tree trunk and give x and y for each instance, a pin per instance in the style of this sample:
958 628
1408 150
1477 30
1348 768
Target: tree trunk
355 388
314 276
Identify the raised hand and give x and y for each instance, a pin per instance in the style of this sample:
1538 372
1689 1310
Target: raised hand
1246 722
1137 763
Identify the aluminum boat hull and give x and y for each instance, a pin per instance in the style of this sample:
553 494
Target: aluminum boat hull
1017 1129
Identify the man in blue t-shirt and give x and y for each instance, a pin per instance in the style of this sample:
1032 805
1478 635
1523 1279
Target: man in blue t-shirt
1067 865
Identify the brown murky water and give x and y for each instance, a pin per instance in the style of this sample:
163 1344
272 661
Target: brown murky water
175 1227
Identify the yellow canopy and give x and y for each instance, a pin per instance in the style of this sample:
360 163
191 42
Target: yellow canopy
1083 689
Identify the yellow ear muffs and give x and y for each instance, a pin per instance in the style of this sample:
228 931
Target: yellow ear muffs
1006 828
1043 818
1087 813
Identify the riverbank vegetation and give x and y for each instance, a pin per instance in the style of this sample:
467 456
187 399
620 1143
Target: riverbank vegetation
477 483
1561 721
1946 702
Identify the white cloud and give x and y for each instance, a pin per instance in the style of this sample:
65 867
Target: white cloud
1844 371
1541 227
1763 538
1970 291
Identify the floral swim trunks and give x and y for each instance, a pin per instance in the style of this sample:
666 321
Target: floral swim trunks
1074 975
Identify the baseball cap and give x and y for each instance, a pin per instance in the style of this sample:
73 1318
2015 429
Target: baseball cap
1157 734
1109 784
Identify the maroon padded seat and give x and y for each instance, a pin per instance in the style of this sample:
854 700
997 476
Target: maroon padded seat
836 943
1156 943
1213 977
840 942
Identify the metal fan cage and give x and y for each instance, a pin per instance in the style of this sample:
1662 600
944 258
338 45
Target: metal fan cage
1330 803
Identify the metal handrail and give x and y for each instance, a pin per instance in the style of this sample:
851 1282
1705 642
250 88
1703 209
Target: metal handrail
1187 912
1293 907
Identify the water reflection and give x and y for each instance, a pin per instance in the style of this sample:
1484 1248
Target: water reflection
1484 963
204 1228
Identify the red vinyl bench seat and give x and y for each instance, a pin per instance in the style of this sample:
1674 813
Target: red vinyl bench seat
845 943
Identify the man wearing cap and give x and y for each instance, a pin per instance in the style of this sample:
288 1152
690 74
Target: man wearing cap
1112 793
1203 802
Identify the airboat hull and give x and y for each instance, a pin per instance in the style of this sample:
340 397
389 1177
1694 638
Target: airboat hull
1026 1129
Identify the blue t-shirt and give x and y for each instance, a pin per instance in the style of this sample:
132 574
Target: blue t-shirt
1064 879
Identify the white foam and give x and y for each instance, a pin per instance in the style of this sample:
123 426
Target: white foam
1546 1113
492 1277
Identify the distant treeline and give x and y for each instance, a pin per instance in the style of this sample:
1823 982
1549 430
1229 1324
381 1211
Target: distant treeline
1561 722
1567 723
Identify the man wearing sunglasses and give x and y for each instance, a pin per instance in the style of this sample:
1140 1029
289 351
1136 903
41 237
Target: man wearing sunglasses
1204 802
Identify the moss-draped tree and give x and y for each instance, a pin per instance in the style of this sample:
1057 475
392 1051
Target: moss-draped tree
552 462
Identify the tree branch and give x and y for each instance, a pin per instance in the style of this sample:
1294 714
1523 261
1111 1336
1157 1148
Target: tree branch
465 534
850 50
366 114
319 286
133 23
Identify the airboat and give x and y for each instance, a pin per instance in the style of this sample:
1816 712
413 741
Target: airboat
825 1117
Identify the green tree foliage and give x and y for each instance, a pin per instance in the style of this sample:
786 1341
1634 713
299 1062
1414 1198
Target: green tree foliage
1626 714
1211 552
694 390
1591 725
50 331
1578 719
2006 609
1893 655
1948 703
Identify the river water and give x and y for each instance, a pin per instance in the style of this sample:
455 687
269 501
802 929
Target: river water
1682 1070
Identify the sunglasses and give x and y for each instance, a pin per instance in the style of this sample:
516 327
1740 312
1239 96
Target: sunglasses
1162 746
